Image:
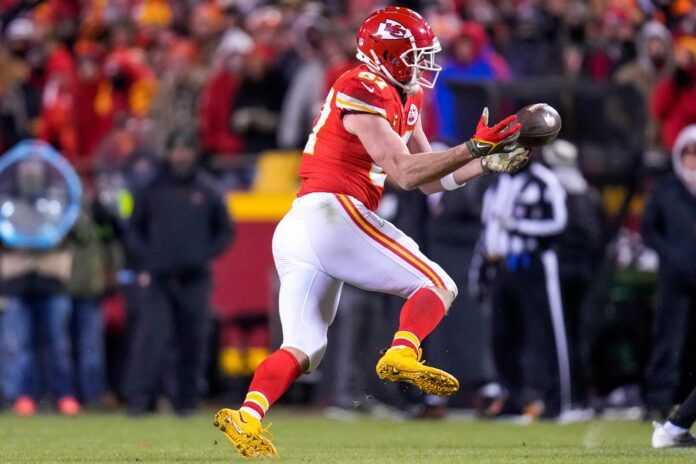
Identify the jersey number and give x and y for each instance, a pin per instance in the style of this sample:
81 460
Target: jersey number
368 76
377 174
321 120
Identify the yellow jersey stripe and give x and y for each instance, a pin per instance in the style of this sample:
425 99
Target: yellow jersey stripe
348 102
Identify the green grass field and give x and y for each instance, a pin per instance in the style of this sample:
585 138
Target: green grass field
111 438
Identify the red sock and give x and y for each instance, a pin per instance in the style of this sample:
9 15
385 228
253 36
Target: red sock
419 316
271 380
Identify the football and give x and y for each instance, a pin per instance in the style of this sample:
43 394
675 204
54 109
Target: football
541 124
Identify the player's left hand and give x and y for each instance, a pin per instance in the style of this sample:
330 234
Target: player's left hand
507 162
500 138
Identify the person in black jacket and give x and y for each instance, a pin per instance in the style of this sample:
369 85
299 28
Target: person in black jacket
179 224
669 227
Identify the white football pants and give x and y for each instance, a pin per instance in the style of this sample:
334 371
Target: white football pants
327 239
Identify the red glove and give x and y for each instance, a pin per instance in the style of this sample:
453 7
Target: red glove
497 139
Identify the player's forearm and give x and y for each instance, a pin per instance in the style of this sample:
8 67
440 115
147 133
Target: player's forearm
415 170
469 171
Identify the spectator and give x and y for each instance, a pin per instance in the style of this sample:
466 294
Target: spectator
152 18
90 126
338 51
129 82
674 99
117 176
177 207
668 227
92 272
523 214
473 60
532 46
301 103
256 109
234 44
175 103
206 26
614 47
20 98
215 112
34 281
654 62
219 93
572 62
58 114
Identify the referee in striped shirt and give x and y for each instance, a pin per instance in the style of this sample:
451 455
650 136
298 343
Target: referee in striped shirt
523 214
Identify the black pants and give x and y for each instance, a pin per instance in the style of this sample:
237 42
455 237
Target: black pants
685 416
169 333
574 288
529 341
670 373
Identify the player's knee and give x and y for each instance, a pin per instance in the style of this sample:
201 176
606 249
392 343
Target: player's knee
301 357
446 295
316 357
313 353
451 287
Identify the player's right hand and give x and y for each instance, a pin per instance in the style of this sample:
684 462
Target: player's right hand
501 138
507 162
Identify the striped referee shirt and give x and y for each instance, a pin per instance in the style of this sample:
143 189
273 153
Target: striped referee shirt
522 212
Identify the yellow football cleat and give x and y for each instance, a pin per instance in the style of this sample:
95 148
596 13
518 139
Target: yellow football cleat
401 364
245 433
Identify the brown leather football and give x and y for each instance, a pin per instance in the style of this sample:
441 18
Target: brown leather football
541 124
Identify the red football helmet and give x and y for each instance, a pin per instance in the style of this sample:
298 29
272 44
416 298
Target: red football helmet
400 45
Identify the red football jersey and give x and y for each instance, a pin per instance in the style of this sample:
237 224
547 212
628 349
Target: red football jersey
334 160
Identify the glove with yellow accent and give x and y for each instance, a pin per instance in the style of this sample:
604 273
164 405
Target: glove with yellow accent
508 162
497 139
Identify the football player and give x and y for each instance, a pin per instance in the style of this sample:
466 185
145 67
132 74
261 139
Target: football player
369 127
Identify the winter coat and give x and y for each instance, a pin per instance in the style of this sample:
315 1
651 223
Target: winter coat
641 74
178 224
669 219
674 104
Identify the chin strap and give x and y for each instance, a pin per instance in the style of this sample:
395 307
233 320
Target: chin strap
411 88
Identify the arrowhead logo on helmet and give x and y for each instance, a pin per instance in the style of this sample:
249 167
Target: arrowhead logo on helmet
392 30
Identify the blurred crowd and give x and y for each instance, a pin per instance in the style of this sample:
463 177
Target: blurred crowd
97 79
127 90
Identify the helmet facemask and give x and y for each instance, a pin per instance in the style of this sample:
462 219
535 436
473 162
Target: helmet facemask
424 70
420 60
